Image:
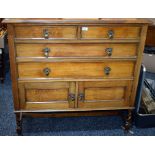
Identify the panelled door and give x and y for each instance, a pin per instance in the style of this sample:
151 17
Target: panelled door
62 95
104 95
47 95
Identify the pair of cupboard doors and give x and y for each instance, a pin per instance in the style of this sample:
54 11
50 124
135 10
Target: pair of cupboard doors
75 95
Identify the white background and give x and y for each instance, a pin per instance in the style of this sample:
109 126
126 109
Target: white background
77 9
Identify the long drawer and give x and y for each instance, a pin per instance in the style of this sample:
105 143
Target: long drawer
107 69
46 32
76 50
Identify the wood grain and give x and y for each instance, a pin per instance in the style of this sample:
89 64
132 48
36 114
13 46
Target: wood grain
77 60
76 50
77 70
48 95
14 73
104 94
138 64
119 32
70 21
37 31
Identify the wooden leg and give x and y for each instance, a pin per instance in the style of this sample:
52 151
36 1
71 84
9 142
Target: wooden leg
128 122
2 66
19 124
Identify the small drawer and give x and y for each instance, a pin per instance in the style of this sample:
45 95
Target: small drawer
46 32
110 32
76 50
108 69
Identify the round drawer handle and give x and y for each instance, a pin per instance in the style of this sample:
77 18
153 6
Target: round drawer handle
107 70
46 71
108 51
46 52
110 34
45 33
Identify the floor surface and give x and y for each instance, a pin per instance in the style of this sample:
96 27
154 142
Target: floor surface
73 126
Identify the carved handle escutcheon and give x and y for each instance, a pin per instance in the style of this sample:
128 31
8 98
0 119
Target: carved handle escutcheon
46 52
81 97
46 71
108 51
107 70
110 34
71 98
45 33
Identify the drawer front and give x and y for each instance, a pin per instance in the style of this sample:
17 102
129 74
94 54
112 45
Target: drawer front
46 32
53 95
108 69
113 94
110 32
76 50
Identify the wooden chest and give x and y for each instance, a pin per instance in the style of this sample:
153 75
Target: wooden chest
62 65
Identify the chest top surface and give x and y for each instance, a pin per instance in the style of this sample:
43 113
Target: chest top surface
77 20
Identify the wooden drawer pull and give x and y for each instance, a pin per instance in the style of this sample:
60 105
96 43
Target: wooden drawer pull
46 52
108 51
46 71
107 70
110 34
46 33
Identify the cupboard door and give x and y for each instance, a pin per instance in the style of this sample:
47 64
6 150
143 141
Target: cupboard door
41 96
104 95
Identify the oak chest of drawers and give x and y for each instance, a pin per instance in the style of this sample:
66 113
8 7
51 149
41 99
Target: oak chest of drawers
63 65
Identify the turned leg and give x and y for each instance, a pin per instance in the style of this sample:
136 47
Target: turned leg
19 124
128 122
3 66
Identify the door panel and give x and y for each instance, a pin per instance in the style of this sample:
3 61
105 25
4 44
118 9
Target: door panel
53 95
113 94
109 93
